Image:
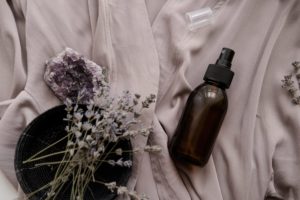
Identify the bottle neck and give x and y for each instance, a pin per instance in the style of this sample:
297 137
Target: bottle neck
219 85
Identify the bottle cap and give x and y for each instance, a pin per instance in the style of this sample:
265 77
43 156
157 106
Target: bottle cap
220 72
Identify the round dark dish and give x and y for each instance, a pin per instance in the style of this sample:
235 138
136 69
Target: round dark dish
45 130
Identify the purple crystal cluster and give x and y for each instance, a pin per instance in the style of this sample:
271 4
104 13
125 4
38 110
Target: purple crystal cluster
70 75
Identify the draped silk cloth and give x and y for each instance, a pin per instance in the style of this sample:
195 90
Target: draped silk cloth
148 48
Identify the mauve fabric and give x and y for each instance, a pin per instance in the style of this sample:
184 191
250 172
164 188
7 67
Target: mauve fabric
148 48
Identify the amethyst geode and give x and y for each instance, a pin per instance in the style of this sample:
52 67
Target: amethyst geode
70 75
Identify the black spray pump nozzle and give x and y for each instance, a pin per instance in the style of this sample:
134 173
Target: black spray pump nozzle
225 57
220 72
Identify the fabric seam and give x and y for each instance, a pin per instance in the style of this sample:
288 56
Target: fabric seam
112 73
40 108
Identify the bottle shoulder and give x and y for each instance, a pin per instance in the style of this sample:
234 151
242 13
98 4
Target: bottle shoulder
209 93
210 88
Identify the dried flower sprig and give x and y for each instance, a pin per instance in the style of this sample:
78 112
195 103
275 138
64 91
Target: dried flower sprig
121 190
296 66
289 85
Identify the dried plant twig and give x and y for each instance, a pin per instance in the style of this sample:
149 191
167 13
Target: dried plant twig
289 85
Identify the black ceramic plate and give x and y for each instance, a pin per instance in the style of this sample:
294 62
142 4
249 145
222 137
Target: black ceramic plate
43 131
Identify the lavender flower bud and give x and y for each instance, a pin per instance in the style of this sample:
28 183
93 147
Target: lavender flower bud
111 186
89 114
96 154
79 125
89 138
82 144
119 152
120 162
78 116
70 143
152 149
71 151
111 162
127 163
122 190
87 126
101 148
296 65
78 134
133 195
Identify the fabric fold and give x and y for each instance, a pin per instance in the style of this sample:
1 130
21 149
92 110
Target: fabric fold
12 70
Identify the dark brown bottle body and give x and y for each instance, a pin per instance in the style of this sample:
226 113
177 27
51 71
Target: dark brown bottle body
199 125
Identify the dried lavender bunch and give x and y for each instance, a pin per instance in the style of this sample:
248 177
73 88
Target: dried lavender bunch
90 131
289 84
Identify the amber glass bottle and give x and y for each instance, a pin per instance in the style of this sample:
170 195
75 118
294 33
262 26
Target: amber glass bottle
203 115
